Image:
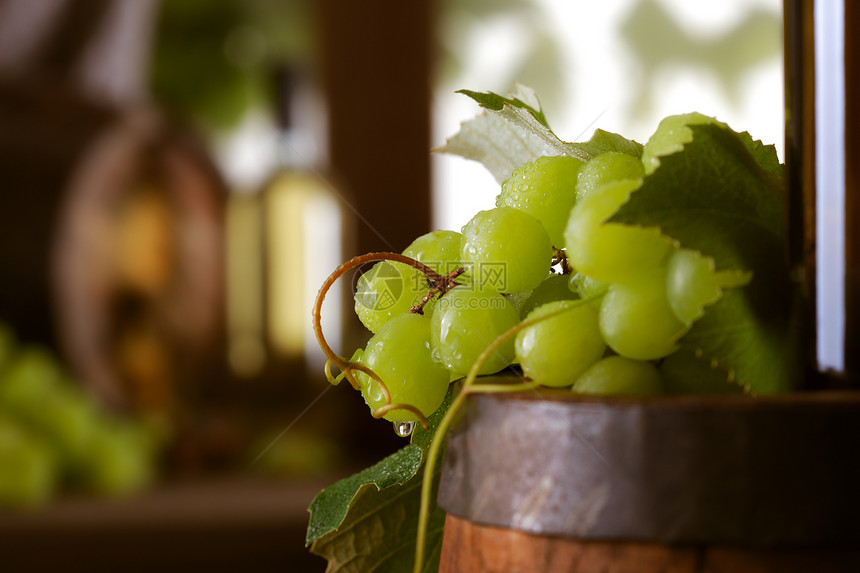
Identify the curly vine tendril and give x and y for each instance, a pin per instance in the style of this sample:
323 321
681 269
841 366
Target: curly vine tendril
343 364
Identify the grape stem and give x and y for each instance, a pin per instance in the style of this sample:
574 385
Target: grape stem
439 284
469 387
560 258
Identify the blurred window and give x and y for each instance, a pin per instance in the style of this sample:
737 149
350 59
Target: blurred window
621 65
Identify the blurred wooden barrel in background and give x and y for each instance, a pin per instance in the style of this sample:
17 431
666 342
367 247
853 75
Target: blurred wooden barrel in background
112 241
111 221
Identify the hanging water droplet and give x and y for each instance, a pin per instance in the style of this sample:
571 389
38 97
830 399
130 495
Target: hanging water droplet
436 355
403 429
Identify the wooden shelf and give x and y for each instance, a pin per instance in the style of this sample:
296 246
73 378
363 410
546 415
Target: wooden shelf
228 524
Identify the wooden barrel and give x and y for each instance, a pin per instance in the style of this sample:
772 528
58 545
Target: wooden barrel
111 247
554 482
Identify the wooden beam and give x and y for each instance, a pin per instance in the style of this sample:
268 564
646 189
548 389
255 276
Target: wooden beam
376 67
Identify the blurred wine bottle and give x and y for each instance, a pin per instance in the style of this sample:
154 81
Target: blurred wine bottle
287 229
284 240
305 226
112 216
822 75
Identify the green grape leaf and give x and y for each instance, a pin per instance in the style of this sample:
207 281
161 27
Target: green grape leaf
765 155
330 507
761 354
715 198
505 138
369 521
512 131
722 198
496 102
379 531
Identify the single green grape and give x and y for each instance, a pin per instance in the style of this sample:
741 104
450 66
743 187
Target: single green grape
692 283
30 474
585 286
439 250
508 250
684 373
35 391
68 422
399 353
465 322
519 299
607 168
555 351
670 137
387 290
619 375
636 320
29 376
546 189
120 459
553 288
611 252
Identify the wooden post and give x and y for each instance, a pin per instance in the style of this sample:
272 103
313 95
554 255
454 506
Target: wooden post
377 75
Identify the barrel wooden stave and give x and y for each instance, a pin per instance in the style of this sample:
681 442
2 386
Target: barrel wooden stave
474 548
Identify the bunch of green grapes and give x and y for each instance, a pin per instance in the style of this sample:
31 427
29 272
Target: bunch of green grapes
54 436
599 307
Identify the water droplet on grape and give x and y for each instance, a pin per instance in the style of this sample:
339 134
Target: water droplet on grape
403 429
